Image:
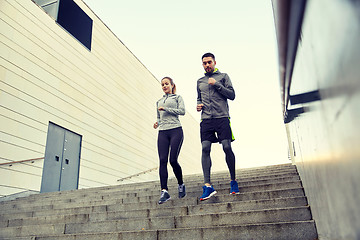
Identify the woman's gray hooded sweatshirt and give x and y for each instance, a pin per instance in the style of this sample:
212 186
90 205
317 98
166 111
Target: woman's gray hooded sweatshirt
173 107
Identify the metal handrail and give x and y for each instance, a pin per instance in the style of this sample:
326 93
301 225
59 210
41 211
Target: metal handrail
21 161
136 175
119 180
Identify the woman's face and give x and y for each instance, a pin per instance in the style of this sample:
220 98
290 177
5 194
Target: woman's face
166 86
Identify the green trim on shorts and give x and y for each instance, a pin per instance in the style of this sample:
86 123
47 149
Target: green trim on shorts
232 134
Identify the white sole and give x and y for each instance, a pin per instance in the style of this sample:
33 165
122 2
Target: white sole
165 201
211 194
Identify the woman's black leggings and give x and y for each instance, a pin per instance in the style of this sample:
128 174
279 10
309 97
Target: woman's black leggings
172 140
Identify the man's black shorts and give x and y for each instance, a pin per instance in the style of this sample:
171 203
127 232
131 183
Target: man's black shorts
216 130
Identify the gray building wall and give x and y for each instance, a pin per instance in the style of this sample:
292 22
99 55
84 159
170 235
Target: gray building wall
325 139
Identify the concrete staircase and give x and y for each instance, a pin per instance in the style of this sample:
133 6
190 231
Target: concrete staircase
271 205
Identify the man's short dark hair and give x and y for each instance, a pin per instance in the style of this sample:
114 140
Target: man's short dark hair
208 55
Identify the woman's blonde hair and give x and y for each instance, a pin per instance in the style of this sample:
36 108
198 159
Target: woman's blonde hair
172 84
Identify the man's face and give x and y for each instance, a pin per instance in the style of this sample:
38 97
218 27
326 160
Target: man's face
209 64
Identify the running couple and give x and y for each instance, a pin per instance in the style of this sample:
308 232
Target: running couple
213 91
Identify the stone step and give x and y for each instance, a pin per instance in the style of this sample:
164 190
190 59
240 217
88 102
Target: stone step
198 179
220 186
249 171
139 186
296 230
137 224
117 205
242 173
196 191
14 221
189 199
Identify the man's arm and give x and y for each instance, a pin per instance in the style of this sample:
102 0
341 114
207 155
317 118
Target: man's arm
199 105
225 89
199 101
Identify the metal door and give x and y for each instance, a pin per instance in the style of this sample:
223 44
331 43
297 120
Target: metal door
62 160
69 178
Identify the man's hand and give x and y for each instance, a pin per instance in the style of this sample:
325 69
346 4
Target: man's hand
199 107
212 81
156 125
161 108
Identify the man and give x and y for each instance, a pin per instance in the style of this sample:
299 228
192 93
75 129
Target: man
213 91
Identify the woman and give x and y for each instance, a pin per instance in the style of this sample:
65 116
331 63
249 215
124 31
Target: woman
170 137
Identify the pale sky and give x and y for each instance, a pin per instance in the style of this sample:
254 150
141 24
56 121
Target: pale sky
169 38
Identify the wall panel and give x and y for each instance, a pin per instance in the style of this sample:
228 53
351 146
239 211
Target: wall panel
106 95
327 136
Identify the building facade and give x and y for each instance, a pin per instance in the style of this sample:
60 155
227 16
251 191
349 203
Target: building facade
82 81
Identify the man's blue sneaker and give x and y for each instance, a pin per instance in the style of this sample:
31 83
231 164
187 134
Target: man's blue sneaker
234 188
207 193
182 191
165 196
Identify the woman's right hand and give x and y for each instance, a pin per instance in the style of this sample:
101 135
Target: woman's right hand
156 125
